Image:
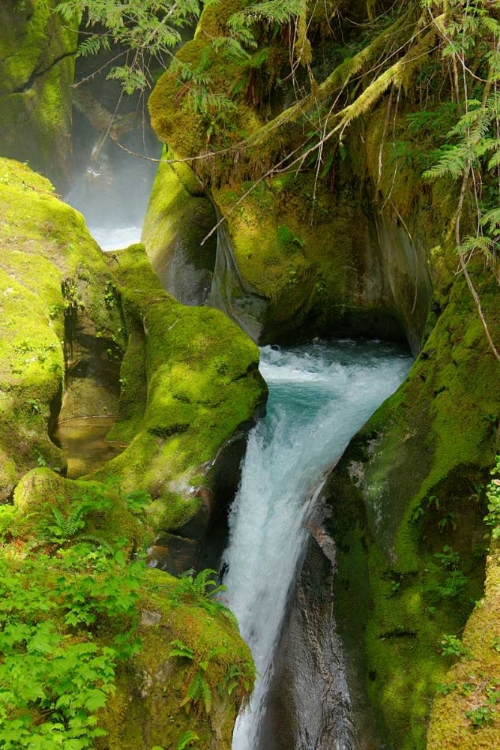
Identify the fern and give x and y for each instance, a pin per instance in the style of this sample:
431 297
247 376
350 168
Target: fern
149 28
97 540
186 739
181 650
206 693
67 527
273 11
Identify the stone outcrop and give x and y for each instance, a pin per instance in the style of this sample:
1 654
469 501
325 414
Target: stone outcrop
37 64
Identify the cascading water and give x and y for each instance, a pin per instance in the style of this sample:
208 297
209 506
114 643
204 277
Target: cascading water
320 396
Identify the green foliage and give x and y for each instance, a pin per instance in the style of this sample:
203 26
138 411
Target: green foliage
471 151
202 589
137 501
145 28
199 690
66 527
453 646
493 495
54 677
487 711
455 581
233 679
288 240
186 740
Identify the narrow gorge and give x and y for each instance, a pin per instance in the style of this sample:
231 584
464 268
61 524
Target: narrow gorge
249 363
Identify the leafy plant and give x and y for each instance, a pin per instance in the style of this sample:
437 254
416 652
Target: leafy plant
453 646
234 678
186 740
146 29
137 501
198 689
110 295
34 406
53 683
481 716
448 521
202 589
67 526
492 519
455 581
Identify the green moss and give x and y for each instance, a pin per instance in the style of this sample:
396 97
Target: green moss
309 253
107 520
467 682
179 216
408 487
49 266
36 72
188 128
196 397
159 683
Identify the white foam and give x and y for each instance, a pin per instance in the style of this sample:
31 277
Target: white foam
320 396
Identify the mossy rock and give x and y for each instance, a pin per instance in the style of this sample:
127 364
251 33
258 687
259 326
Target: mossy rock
53 278
105 518
408 486
37 61
304 254
179 217
456 720
187 129
303 261
203 383
158 683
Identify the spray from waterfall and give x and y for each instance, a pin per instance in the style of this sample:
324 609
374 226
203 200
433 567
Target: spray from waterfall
112 191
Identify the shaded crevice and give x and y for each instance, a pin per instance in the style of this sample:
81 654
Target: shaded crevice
39 72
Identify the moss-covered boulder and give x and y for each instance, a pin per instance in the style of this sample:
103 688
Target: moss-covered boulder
189 381
53 509
160 713
37 60
306 253
464 715
298 259
407 515
179 217
57 324
148 656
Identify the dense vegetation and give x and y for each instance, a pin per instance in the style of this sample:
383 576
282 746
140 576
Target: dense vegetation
311 128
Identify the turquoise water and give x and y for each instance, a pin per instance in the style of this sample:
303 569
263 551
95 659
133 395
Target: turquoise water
320 396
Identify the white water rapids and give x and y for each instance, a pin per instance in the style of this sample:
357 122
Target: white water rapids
320 396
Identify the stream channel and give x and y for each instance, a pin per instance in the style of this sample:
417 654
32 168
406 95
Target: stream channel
320 395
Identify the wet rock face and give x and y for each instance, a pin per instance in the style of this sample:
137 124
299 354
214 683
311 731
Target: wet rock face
310 698
284 269
179 217
37 59
404 491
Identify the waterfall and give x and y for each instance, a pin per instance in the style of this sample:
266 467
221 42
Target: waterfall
320 396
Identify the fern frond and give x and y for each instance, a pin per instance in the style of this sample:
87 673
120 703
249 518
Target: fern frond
181 650
206 693
186 739
491 219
